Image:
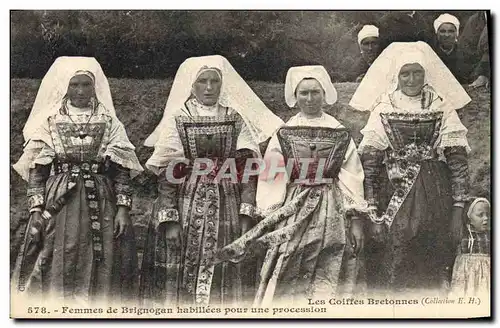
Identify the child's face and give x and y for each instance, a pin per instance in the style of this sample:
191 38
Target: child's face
480 216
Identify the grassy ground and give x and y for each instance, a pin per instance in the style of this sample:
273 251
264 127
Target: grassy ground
140 105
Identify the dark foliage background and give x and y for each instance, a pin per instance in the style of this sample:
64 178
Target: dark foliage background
261 45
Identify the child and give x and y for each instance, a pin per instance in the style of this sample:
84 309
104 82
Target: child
471 271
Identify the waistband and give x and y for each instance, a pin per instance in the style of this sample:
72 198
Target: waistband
87 167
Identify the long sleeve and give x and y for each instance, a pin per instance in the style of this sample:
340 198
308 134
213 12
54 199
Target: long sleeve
167 200
120 150
121 179
372 149
351 178
453 133
454 147
456 158
247 149
271 191
38 150
168 148
36 185
248 184
35 165
372 159
374 135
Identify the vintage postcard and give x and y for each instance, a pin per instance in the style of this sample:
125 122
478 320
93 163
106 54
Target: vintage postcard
250 164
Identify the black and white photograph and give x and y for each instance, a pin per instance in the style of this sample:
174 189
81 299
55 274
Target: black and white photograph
176 164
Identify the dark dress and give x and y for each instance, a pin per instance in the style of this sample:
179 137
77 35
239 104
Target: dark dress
417 204
209 215
80 259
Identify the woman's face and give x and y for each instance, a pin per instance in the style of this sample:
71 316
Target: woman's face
447 35
80 90
411 79
480 216
207 87
369 48
310 96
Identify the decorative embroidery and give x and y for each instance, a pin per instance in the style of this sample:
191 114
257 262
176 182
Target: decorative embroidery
168 215
403 187
304 203
412 136
36 200
215 138
95 168
36 191
299 142
123 200
205 217
209 137
283 235
81 158
461 198
247 209
269 210
403 128
412 152
68 145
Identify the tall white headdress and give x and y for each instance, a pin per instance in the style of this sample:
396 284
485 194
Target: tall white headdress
382 76
55 85
235 93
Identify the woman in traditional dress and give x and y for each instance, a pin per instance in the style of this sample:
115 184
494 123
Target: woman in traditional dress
78 162
415 134
313 230
212 114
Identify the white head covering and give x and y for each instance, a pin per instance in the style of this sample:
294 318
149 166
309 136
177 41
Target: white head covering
477 200
55 85
298 73
366 32
382 76
235 93
446 18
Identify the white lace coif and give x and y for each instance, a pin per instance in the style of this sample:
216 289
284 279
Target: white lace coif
235 93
